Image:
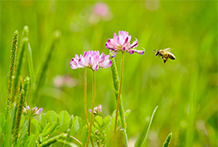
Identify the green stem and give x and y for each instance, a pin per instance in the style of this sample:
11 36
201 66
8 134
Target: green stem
118 100
85 96
29 127
93 104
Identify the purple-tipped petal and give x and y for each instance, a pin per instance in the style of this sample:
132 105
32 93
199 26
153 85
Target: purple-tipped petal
141 52
73 64
90 110
126 40
34 109
114 54
39 111
95 67
134 44
131 51
124 48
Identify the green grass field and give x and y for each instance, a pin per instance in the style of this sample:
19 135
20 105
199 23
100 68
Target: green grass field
185 89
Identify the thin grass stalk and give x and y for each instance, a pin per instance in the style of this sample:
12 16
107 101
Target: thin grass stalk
143 135
116 83
118 100
167 141
11 72
93 104
45 65
23 45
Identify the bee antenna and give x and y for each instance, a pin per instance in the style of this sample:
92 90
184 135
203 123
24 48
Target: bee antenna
154 50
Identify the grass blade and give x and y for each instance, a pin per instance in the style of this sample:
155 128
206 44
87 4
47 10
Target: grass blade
144 134
31 69
45 65
167 141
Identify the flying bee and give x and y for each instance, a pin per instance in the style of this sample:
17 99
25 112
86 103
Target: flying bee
165 54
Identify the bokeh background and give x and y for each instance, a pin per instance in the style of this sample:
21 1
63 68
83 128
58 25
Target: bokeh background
185 89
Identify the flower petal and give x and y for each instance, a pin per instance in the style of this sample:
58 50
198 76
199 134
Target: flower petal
106 64
141 52
114 54
134 44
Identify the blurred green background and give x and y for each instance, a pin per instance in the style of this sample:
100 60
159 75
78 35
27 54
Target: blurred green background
185 89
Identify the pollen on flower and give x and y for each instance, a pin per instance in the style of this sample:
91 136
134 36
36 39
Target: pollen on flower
91 59
122 43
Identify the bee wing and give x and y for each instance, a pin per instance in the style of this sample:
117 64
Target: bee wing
167 49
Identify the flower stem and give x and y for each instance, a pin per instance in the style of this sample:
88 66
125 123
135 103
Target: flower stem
29 127
93 104
118 100
85 95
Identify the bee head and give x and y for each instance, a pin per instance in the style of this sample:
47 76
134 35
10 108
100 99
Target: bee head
157 53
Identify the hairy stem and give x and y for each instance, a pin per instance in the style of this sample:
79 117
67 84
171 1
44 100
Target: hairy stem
118 100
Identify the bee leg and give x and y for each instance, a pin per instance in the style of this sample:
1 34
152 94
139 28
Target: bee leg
165 60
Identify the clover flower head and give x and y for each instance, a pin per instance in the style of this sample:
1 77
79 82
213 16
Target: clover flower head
122 43
32 112
91 59
64 81
97 110
101 9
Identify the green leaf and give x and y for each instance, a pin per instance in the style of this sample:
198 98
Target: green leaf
106 121
42 119
38 125
84 135
76 126
68 130
63 118
31 141
45 65
99 120
51 116
143 135
52 140
49 128
23 130
67 143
